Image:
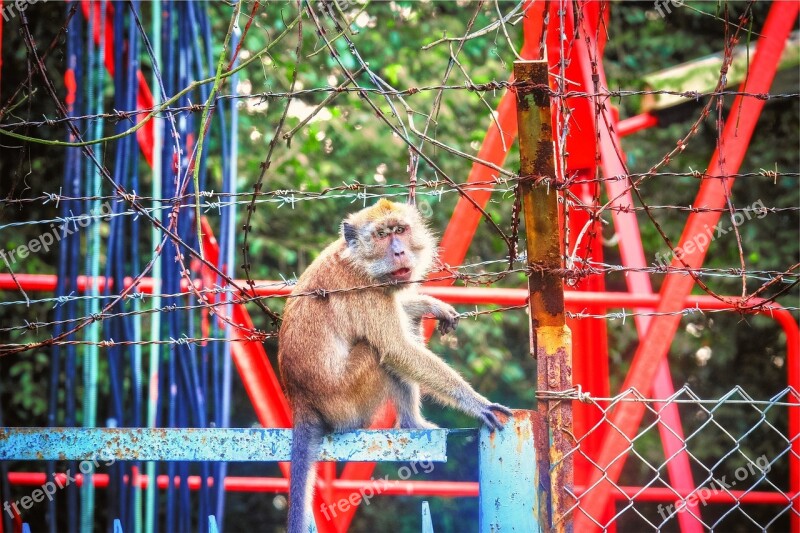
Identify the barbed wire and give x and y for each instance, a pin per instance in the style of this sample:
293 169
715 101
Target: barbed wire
291 197
262 97
504 184
256 335
355 185
206 293
459 273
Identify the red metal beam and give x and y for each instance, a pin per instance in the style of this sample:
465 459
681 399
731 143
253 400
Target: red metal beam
636 123
591 75
589 336
456 295
444 489
654 347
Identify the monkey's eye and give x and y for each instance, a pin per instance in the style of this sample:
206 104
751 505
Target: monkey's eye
399 229
381 234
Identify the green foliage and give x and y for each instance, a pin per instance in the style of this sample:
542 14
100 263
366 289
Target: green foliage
346 142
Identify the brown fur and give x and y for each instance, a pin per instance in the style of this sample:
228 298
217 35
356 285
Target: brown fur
343 354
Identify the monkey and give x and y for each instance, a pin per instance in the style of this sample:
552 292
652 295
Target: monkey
342 353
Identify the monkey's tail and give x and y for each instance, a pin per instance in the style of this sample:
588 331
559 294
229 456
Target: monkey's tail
306 441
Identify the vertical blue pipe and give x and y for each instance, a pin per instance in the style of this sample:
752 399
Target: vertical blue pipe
115 258
72 182
228 256
186 405
135 514
149 518
62 283
90 362
169 275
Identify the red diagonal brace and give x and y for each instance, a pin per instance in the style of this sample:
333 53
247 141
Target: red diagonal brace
465 219
653 349
632 255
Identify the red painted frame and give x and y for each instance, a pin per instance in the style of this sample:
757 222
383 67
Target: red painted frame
270 404
649 366
593 302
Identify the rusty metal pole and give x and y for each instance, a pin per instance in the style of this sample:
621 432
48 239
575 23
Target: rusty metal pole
551 340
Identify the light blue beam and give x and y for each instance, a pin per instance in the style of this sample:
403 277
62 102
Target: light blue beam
105 445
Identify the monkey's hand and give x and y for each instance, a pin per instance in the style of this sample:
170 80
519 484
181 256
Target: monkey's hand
447 316
417 306
490 418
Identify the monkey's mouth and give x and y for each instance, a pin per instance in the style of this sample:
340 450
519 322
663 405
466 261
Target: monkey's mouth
401 274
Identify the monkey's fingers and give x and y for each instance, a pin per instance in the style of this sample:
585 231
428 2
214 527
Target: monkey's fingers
448 324
502 408
490 418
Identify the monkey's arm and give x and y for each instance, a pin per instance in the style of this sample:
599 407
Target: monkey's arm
413 361
418 305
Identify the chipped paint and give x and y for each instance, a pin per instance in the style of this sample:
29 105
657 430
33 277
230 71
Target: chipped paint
509 476
214 444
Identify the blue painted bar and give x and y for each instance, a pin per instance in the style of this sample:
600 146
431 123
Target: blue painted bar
106 445
509 478
427 522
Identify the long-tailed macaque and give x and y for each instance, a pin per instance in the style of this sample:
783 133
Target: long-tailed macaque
343 353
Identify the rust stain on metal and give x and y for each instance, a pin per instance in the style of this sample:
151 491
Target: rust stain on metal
523 103
523 431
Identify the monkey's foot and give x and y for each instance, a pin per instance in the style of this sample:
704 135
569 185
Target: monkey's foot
490 418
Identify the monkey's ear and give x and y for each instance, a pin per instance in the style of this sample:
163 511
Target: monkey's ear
349 234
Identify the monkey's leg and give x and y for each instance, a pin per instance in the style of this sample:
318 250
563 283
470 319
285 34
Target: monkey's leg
306 441
406 398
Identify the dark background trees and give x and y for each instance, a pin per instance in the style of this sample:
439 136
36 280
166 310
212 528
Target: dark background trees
347 143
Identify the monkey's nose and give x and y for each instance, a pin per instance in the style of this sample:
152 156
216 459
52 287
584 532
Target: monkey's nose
401 253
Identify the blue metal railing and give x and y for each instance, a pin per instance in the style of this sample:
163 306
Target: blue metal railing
510 489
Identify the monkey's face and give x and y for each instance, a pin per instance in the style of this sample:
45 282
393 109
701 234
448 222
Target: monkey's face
389 242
